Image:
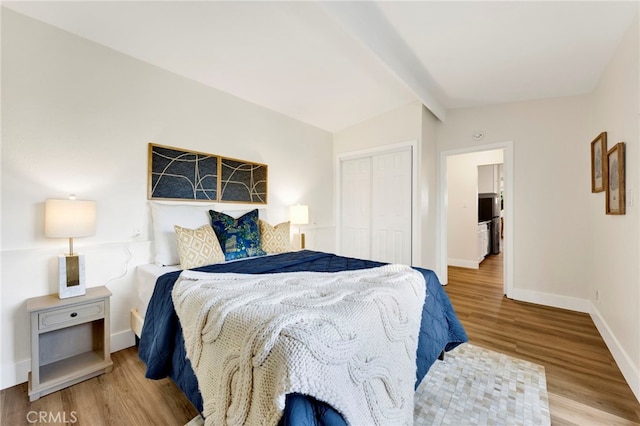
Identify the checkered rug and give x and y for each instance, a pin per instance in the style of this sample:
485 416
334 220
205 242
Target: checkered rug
476 386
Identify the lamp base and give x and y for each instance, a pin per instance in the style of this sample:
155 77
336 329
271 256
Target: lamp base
298 242
71 275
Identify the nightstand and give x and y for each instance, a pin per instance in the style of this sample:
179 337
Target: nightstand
70 340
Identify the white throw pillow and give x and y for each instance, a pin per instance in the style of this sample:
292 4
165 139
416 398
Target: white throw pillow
165 217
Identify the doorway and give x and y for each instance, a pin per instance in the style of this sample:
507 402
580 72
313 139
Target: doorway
507 148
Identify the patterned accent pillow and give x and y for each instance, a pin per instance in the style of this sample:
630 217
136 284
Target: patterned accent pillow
275 239
239 237
198 247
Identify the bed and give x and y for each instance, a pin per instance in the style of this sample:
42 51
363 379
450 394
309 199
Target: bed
162 342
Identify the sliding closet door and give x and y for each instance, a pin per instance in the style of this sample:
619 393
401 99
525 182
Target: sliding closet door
356 208
376 206
391 208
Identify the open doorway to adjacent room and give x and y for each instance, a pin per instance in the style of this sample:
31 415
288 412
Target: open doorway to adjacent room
477 208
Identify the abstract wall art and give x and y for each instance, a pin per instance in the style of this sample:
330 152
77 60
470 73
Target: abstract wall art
242 181
179 174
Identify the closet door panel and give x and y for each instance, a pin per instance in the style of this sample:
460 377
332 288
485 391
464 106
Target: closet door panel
391 207
356 208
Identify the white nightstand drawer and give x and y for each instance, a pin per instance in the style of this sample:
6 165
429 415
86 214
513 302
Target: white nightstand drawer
71 315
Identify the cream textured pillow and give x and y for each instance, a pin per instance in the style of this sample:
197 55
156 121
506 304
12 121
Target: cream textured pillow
198 247
275 239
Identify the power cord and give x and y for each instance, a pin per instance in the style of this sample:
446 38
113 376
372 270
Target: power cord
126 265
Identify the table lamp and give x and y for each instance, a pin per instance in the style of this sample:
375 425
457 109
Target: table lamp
70 219
299 215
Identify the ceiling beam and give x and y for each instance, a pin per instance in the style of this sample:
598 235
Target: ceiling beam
367 23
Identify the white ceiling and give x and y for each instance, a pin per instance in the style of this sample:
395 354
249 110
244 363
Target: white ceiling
334 64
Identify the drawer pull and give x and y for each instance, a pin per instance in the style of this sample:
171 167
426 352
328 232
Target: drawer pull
74 314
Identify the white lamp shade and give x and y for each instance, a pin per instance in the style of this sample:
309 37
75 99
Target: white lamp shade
69 218
299 215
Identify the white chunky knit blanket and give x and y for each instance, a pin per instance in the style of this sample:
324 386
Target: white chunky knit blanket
346 338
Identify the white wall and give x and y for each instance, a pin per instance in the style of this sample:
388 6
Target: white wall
462 207
77 118
396 126
614 260
551 189
429 223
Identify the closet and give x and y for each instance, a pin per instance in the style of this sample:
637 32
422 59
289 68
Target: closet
375 205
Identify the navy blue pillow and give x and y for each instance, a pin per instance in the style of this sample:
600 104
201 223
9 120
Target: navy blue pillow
238 237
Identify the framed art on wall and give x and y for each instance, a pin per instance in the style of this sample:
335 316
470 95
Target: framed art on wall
243 182
598 163
616 177
178 174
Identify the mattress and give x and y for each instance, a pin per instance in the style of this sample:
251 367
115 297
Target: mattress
146 277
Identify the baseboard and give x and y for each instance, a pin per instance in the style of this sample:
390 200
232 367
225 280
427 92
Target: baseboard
122 340
463 263
622 358
14 374
553 300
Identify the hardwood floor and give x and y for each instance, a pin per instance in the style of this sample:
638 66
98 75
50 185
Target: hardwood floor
585 386
584 383
122 397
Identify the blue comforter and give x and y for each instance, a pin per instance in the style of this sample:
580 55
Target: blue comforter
162 349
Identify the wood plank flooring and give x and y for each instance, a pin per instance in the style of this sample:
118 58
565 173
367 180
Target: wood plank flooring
584 383
583 379
122 397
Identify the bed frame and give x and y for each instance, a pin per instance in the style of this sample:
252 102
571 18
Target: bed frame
136 320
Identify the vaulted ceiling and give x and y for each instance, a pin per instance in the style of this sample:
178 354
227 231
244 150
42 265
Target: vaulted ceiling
334 64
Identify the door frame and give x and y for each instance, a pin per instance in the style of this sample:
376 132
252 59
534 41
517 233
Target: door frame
368 152
509 212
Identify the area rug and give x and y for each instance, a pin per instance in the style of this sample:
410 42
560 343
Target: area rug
476 386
